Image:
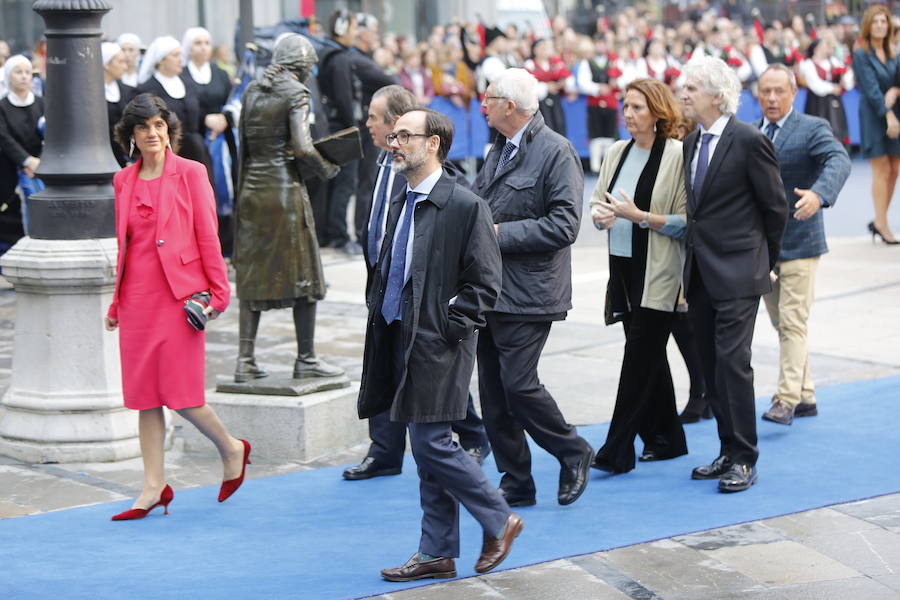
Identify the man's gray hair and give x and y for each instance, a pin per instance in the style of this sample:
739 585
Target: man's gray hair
782 69
520 86
717 79
397 100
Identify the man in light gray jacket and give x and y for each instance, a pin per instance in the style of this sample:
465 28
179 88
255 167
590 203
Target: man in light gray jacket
533 182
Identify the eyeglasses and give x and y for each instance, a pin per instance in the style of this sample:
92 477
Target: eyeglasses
486 98
402 137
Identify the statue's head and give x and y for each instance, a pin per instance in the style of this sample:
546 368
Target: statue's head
296 53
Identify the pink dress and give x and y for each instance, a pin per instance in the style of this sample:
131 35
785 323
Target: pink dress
163 357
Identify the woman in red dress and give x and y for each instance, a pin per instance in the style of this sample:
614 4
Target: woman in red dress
168 251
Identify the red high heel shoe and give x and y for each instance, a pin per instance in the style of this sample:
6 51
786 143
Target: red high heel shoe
139 513
229 487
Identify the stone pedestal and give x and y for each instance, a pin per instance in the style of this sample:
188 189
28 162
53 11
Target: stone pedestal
64 403
301 428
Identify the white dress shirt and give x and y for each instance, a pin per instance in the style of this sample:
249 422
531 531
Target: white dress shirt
717 128
383 171
423 190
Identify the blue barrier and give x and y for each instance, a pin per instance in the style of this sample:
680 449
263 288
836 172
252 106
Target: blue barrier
851 108
479 131
472 132
576 123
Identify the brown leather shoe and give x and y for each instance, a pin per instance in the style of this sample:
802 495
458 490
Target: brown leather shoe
780 412
493 551
439 568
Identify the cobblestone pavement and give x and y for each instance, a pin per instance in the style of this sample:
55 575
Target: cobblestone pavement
841 552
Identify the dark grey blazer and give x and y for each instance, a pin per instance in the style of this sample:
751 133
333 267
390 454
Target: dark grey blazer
735 223
536 198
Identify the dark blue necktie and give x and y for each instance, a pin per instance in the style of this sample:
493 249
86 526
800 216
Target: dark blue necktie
702 163
771 128
390 307
375 224
505 156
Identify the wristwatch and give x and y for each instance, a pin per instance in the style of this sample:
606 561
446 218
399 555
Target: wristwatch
645 222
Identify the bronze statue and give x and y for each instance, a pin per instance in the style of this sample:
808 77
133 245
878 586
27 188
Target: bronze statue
276 254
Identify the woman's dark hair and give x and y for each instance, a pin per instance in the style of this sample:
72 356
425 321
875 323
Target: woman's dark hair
812 48
138 111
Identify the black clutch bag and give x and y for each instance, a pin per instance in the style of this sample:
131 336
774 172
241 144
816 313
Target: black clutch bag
341 147
194 307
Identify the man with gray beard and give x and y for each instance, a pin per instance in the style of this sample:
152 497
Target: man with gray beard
438 271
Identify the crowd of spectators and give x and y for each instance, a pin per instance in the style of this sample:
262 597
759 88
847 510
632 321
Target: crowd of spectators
457 62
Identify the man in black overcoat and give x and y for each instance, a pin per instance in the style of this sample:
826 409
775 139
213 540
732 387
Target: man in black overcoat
736 215
438 272
385 454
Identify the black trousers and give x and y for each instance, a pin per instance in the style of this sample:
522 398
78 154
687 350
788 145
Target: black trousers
340 189
514 401
645 401
389 437
724 330
683 332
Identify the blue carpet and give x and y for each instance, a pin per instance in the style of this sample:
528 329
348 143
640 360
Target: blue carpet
311 535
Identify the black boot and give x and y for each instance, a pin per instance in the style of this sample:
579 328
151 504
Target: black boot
697 408
307 363
248 323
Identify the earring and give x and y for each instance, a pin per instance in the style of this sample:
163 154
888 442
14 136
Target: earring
654 126
169 144
131 150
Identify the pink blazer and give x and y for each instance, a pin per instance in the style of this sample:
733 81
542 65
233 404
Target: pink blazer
186 231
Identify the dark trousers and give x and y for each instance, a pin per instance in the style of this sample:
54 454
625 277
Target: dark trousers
514 401
645 401
447 476
389 437
683 332
340 189
724 330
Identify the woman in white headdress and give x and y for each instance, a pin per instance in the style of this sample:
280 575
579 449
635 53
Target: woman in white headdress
160 75
118 95
20 143
131 47
213 90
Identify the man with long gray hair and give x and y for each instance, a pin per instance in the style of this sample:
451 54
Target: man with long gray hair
736 213
533 182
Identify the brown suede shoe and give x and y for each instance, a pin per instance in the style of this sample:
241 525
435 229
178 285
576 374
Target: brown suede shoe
439 568
493 551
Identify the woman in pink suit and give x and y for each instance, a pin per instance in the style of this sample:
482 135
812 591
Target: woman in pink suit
168 251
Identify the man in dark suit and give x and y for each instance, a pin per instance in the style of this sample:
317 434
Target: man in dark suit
385 455
533 182
736 213
438 272
814 167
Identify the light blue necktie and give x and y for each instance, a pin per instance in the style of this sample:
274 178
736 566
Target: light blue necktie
390 307
702 163
375 224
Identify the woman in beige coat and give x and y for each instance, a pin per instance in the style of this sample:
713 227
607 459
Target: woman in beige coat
640 199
